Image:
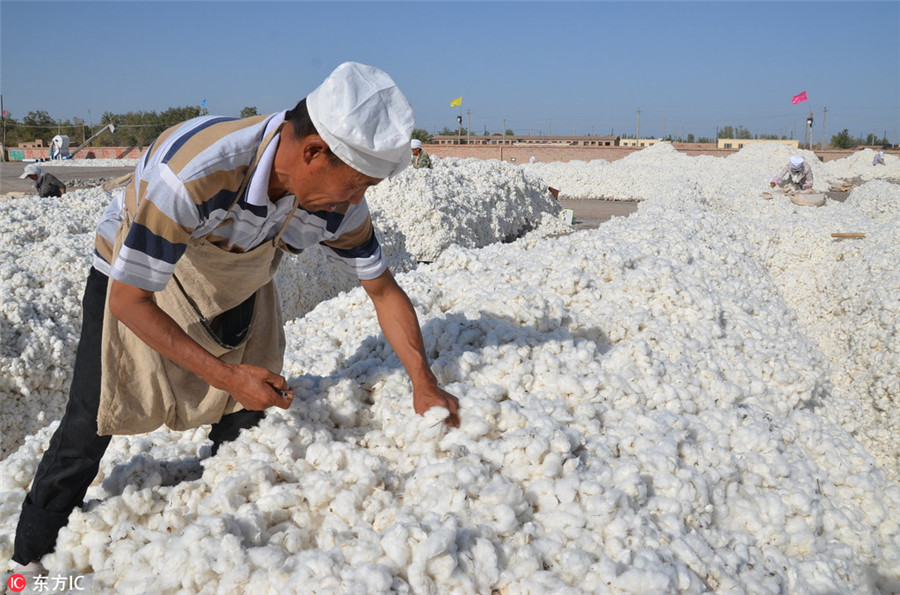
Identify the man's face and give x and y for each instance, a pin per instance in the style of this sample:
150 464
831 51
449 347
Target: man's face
320 182
332 186
416 151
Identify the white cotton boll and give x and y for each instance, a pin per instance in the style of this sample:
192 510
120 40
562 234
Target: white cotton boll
481 564
424 430
367 578
436 546
395 544
574 564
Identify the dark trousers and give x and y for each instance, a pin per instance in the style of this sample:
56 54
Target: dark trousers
71 462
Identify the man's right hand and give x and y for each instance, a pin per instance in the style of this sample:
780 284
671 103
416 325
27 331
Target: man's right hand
257 388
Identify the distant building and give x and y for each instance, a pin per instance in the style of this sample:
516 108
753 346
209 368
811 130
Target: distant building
740 143
639 142
38 143
526 140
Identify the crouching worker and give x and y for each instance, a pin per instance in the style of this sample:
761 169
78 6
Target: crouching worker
797 175
181 296
45 184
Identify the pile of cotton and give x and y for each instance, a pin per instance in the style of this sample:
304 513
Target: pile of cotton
467 202
858 166
699 397
638 412
420 213
573 179
643 174
878 200
45 252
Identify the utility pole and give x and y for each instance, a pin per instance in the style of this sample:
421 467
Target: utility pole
469 126
503 142
809 131
638 127
550 128
824 115
3 115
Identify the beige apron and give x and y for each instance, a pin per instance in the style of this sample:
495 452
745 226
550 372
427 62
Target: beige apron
142 390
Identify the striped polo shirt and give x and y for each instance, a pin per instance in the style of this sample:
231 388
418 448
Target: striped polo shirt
183 187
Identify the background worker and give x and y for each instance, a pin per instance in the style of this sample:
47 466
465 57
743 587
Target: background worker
45 184
879 158
420 158
798 174
59 147
191 333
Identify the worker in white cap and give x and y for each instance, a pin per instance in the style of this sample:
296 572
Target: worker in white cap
797 174
191 332
878 158
420 158
46 184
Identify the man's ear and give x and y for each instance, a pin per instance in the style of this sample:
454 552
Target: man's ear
314 148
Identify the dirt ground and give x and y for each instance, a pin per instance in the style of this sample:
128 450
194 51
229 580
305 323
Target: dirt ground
591 213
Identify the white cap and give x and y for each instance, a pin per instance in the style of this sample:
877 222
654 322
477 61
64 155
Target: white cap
415 144
796 162
365 119
30 170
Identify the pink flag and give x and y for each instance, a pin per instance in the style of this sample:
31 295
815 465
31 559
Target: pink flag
798 98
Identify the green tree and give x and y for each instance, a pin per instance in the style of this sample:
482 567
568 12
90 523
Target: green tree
690 137
843 140
873 139
249 112
422 135
726 132
39 126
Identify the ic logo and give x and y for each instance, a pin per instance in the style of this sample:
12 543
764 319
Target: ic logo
16 583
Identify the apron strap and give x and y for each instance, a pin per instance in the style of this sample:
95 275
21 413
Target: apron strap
259 152
286 221
263 145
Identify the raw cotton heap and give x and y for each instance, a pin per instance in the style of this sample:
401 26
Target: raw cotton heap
420 213
45 248
661 172
670 403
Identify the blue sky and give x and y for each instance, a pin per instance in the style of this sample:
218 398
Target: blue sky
559 67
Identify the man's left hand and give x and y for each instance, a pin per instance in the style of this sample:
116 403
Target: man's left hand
434 396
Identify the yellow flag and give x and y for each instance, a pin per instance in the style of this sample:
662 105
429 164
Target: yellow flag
455 102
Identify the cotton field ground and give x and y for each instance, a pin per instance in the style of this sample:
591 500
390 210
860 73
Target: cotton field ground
702 396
